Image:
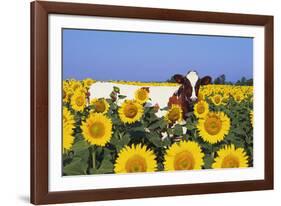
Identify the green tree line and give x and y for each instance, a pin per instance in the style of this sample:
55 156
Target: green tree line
222 80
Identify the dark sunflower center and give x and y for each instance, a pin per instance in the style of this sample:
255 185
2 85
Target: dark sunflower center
200 109
230 162
213 125
142 95
174 115
217 99
184 161
97 130
136 164
99 106
131 110
79 101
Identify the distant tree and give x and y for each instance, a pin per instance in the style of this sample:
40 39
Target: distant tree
220 79
217 80
238 82
244 81
250 82
229 83
171 80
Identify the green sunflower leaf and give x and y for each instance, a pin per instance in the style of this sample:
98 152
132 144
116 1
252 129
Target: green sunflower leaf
76 167
154 138
178 130
105 167
155 125
122 96
80 145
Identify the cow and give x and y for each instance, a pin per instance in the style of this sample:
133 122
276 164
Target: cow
187 93
184 94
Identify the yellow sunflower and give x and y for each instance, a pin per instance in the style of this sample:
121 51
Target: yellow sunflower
97 129
174 114
82 89
229 157
142 95
252 118
65 84
67 93
136 158
88 82
68 137
201 109
75 85
213 127
225 98
100 105
68 118
217 99
78 101
130 111
184 155
238 97
201 96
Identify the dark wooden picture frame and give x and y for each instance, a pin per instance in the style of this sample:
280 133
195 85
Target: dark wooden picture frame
39 102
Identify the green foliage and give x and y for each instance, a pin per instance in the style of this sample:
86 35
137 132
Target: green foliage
76 167
241 82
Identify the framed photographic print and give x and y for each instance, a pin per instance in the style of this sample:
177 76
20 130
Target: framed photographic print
131 102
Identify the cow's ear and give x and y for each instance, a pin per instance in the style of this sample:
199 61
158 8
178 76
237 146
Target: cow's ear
206 80
178 78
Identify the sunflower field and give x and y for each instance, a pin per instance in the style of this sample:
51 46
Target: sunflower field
102 136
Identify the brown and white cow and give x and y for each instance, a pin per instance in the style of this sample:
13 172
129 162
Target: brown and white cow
187 93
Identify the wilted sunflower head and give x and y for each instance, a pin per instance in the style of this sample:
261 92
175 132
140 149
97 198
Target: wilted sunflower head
142 95
100 105
174 114
130 111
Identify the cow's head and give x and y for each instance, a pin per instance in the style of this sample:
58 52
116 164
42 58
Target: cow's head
190 85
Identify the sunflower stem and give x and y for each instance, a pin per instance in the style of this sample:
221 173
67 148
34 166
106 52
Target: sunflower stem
94 157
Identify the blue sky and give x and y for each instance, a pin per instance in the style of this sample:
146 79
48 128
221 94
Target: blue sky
136 56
